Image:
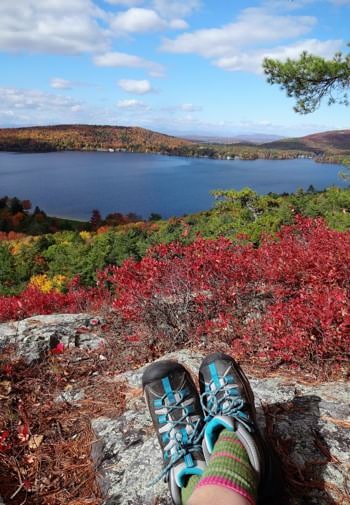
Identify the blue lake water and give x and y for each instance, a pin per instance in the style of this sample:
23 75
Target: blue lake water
71 184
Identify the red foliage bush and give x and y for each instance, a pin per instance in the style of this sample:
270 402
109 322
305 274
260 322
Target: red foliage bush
288 300
33 301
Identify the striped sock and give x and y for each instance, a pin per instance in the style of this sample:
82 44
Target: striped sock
187 491
229 467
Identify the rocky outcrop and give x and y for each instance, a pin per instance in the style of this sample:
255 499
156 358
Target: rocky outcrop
36 335
308 423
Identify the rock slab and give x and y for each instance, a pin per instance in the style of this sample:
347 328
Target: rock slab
32 336
310 421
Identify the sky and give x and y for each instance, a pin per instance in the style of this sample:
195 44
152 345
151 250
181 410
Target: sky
184 67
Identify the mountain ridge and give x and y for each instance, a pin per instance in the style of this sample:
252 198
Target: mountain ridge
252 138
329 146
332 140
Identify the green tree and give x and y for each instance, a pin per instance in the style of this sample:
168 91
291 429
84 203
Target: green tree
95 219
16 205
310 79
8 277
154 216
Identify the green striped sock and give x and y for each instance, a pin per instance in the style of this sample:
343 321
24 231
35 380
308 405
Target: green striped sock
229 467
187 491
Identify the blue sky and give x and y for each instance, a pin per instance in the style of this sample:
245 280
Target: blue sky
181 67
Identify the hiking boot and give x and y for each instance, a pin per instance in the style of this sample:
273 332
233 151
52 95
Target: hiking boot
228 402
177 416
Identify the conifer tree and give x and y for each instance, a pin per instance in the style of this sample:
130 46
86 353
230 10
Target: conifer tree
310 79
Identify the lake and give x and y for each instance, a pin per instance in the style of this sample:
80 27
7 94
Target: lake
71 184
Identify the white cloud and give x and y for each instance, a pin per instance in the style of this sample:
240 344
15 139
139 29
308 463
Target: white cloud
76 108
34 99
178 24
240 44
116 59
287 5
140 87
175 8
51 26
251 61
137 20
36 107
58 83
141 20
19 107
254 26
79 26
133 104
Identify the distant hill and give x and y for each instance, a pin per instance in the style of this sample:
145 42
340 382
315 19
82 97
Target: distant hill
252 138
87 137
333 146
331 142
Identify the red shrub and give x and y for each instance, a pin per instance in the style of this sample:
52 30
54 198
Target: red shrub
33 301
289 299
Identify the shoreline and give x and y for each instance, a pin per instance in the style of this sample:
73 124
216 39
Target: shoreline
300 155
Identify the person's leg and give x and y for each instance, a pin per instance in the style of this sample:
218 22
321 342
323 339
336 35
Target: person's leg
229 476
239 466
216 495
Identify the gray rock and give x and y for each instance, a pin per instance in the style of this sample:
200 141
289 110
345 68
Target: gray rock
32 335
130 458
89 341
305 419
71 397
191 360
308 423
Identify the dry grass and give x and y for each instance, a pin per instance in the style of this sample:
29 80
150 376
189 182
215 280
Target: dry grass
48 460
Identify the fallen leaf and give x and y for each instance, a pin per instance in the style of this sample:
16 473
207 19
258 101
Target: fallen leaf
35 441
5 389
23 432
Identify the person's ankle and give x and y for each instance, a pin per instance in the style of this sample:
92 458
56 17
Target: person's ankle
217 495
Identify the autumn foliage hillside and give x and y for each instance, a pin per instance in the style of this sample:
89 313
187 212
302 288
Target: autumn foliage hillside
86 137
337 141
286 301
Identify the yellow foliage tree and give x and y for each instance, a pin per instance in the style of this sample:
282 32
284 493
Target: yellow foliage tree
46 284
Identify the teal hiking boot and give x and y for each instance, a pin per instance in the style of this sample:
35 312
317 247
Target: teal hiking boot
177 416
228 402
